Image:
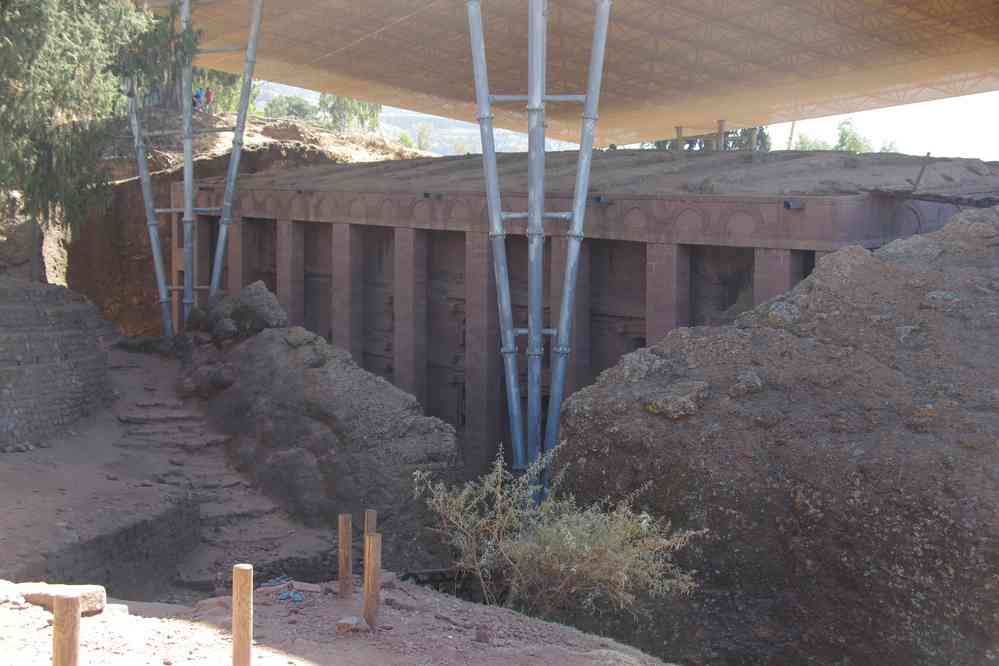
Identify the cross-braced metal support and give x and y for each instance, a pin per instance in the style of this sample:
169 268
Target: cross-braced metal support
188 211
536 215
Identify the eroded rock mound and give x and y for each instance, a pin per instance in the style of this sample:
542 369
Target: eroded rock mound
840 442
318 432
250 311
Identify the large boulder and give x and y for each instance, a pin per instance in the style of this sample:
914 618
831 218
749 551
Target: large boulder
252 310
841 444
323 435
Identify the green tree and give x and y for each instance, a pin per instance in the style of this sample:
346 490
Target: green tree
225 88
291 106
889 147
851 140
805 142
423 137
406 140
741 139
61 69
346 113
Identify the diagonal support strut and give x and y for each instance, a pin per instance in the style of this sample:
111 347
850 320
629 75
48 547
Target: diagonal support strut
225 221
537 432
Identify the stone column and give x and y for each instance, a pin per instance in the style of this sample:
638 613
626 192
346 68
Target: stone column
410 293
679 145
291 270
234 256
483 365
347 288
667 289
579 371
773 274
722 126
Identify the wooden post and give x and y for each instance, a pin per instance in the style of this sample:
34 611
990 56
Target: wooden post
242 614
66 630
372 575
370 522
345 576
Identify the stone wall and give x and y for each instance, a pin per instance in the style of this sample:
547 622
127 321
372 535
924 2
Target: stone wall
53 369
110 259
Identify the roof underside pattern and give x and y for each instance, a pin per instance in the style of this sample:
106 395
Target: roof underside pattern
670 63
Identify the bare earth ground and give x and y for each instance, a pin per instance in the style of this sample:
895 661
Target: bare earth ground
126 463
104 472
415 626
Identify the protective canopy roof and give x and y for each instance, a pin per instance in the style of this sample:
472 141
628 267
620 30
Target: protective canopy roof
670 63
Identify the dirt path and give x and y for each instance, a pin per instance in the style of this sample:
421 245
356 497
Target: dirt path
125 464
415 626
149 449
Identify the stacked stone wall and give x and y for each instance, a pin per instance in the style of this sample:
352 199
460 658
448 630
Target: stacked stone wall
53 368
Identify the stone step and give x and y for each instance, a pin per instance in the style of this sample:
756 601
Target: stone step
158 416
195 444
187 442
232 507
161 404
275 545
173 430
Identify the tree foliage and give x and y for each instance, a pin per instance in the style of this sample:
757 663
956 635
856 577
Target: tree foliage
889 147
54 91
346 113
423 137
742 139
851 140
226 89
805 142
737 140
63 66
291 106
848 139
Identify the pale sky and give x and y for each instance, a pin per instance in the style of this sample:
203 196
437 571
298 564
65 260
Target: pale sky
955 127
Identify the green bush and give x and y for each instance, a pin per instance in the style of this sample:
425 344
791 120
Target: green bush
554 556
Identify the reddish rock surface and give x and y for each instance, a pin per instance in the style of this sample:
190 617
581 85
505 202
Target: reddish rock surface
839 442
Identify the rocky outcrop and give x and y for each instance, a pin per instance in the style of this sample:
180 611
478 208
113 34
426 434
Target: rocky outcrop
840 444
315 430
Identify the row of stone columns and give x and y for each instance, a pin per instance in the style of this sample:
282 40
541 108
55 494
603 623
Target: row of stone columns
667 306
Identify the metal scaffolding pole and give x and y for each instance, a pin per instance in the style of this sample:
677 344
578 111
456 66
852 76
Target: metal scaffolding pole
187 94
590 114
147 198
536 216
497 233
536 65
237 146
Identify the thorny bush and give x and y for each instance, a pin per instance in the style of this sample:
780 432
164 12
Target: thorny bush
554 556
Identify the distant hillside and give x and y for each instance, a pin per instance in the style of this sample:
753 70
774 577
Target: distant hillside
446 136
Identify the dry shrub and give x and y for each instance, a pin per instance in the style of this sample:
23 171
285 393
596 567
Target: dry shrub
554 556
